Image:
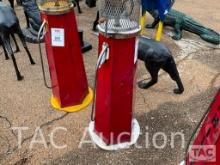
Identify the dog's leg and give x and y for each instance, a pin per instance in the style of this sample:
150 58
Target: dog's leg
153 69
16 44
78 7
96 22
26 17
171 69
156 17
5 51
27 20
10 51
178 31
154 24
22 38
19 2
11 3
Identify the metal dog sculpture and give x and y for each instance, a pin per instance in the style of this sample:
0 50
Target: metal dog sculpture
156 56
13 37
9 25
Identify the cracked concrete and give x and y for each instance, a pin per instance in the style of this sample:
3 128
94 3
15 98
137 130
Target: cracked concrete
26 103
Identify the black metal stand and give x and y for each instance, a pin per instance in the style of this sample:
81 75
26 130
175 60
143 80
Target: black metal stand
85 46
91 3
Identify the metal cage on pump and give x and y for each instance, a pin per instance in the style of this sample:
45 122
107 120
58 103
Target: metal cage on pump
121 17
55 7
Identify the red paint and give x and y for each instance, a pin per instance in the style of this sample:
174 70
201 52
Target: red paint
66 66
209 133
115 86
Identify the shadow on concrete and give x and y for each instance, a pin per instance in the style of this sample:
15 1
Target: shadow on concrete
167 118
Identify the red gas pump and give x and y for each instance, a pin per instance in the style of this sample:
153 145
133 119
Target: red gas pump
205 149
114 126
68 77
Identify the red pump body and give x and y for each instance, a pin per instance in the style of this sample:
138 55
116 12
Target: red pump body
115 91
209 134
68 77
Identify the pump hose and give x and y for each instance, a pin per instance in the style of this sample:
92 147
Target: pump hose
98 65
40 37
94 99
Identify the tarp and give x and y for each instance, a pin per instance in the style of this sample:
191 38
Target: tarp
162 6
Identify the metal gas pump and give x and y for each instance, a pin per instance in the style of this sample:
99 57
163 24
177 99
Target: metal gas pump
113 126
68 78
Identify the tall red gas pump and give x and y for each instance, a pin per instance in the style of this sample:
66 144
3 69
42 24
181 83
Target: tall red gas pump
68 78
114 126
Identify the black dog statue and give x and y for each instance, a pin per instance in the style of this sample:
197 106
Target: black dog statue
156 56
9 25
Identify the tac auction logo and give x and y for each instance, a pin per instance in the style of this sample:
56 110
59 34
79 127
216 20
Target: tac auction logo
202 153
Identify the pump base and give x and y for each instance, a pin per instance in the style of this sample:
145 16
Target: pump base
74 108
182 163
100 143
